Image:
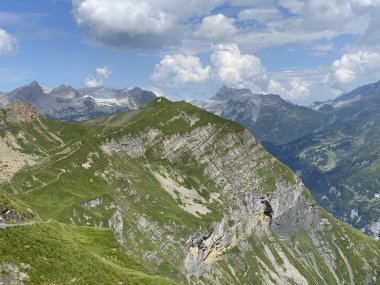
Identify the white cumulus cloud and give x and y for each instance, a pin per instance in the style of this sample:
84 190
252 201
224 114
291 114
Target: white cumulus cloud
174 70
102 73
236 69
256 25
139 23
92 81
216 27
353 65
299 89
275 87
127 23
292 88
7 43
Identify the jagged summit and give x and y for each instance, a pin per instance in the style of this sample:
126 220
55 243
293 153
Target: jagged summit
33 84
226 93
64 91
27 93
229 93
64 86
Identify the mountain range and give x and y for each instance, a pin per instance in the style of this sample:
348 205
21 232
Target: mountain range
67 103
164 194
269 117
334 146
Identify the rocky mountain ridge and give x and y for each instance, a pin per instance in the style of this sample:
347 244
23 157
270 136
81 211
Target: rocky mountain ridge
67 103
269 117
365 96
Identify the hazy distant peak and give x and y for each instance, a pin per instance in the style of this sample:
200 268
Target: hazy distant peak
67 103
27 93
226 93
33 84
368 95
366 90
63 87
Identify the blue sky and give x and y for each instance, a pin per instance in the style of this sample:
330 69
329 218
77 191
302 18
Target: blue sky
302 50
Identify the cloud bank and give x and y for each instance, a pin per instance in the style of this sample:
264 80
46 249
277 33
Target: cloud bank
7 43
230 33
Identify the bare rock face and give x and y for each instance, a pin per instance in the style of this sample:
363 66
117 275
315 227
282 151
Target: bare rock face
12 212
10 215
116 224
243 187
12 159
13 274
20 112
206 250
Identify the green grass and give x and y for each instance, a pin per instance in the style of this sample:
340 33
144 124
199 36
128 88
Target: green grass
58 253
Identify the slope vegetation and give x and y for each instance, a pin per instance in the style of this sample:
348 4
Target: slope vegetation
168 190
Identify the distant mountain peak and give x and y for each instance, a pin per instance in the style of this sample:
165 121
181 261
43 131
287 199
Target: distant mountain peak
33 84
365 90
269 116
226 93
64 86
27 93
367 95
135 89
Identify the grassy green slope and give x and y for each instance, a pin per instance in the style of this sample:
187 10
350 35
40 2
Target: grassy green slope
56 253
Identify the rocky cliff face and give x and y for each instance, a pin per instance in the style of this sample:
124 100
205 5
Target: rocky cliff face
183 192
332 145
19 112
244 176
13 158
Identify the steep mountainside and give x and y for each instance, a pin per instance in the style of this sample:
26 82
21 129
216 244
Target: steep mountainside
341 163
181 189
269 117
66 103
